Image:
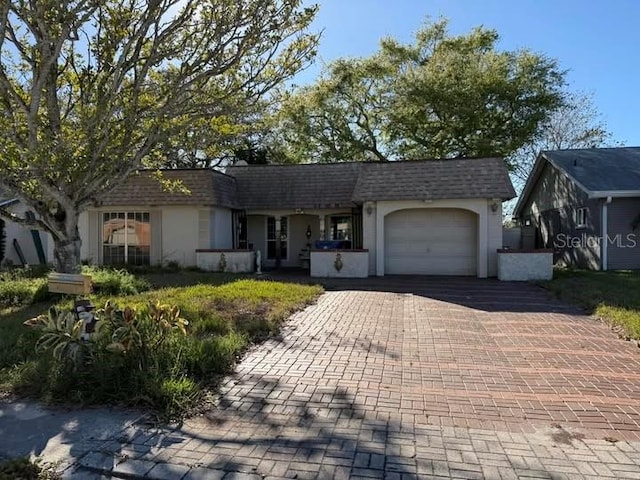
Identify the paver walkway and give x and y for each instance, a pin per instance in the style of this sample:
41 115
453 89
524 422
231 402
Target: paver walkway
406 377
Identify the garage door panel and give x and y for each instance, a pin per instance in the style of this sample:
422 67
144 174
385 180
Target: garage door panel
435 266
431 242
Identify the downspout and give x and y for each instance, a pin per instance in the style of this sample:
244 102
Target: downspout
604 261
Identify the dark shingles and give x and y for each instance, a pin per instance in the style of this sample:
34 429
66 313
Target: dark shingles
600 169
320 185
206 187
434 180
334 185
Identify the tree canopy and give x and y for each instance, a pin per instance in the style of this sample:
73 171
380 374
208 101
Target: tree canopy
577 123
91 90
442 96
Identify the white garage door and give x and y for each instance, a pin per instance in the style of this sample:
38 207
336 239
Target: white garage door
431 242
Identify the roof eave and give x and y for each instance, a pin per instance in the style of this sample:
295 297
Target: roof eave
534 176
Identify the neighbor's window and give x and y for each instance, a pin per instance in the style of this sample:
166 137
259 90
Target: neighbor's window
126 238
581 217
271 238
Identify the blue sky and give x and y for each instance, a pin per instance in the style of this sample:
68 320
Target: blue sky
597 41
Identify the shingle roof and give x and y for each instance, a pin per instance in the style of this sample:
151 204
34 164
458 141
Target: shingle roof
326 185
319 185
434 180
600 172
600 169
207 187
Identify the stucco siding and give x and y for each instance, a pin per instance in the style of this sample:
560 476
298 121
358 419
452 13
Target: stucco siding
257 234
179 235
623 241
25 240
369 234
494 238
298 236
222 234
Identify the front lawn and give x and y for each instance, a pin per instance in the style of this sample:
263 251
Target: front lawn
144 353
613 296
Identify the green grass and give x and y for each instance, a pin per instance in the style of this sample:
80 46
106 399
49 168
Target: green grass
170 371
613 296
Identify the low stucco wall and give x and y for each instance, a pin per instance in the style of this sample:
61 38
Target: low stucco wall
524 265
340 263
235 261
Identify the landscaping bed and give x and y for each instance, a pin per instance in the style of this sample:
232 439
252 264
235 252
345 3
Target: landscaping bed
161 348
612 296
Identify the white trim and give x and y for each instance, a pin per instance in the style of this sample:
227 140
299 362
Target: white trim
614 194
576 219
605 235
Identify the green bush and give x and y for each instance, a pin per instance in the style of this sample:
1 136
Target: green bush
15 293
107 281
19 469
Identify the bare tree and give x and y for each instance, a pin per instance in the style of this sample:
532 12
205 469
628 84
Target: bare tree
576 124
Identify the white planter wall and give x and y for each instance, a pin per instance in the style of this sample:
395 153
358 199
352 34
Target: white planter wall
525 265
237 261
355 263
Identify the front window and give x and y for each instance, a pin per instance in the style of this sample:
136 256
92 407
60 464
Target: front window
271 238
581 217
126 238
341 229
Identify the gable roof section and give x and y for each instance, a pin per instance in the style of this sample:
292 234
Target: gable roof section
599 172
317 185
434 180
207 188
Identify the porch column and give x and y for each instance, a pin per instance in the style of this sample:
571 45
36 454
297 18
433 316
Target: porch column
278 241
322 227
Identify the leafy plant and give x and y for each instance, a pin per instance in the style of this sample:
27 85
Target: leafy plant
159 350
61 335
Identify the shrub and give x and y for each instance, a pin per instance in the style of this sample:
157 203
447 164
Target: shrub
15 293
146 353
19 468
107 281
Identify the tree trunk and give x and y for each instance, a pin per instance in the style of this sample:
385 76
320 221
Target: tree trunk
66 245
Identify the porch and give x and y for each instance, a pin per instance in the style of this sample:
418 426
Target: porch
324 242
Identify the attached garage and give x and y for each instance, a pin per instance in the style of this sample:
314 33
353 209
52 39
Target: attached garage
431 241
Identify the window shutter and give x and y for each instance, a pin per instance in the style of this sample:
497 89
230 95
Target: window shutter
155 217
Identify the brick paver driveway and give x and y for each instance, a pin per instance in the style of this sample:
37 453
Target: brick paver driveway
428 377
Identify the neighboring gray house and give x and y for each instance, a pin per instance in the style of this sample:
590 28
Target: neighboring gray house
585 204
437 217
